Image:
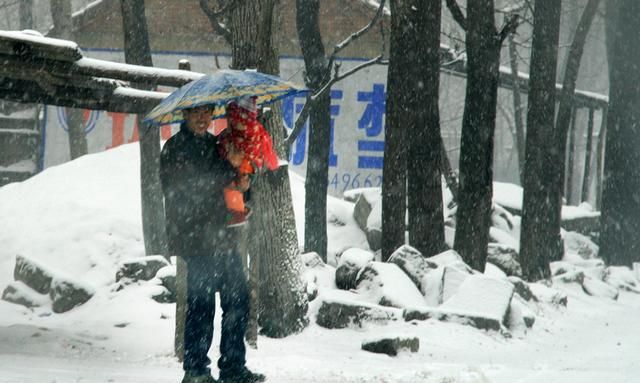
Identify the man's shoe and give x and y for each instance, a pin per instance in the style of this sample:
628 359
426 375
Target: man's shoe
198 379
241 376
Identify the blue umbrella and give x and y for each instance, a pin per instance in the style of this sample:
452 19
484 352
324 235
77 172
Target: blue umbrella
217 90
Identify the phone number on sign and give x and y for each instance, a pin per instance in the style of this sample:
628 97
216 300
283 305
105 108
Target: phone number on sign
345 181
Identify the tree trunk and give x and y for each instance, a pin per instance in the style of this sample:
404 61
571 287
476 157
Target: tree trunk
137 51
517 109
478 125
424 182
394 171
283 303
619 241
62 19
315 229
540 232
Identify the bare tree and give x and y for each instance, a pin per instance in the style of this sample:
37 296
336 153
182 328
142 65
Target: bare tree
252 27
620 225
63 23
318 78
137 51
483 43
539 237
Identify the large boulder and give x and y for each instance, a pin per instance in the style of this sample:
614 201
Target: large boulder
33 274
21 294
522 289
342 309
67 294
386 284
349 265
484 296
391 346
142 268
411 261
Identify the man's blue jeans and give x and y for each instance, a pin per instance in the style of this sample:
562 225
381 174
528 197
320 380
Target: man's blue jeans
222 272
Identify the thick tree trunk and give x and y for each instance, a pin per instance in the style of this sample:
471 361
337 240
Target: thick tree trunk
137 51
424 182
61 15
540 233
478 125
315 230
398 120
273 240
619 241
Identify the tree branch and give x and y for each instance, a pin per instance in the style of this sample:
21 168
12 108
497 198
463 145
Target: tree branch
509 27
312 99
215 14
340 46
457 14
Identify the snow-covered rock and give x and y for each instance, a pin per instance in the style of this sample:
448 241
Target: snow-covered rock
349 265
33 274
411 261
141 268
579 244
522 289
505 258
368 213
520 315
67 294
598 288
21 294
622 277
341 309
445 258
386 284
453 276
391 345
482 296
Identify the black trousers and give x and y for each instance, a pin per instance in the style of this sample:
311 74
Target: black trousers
222 272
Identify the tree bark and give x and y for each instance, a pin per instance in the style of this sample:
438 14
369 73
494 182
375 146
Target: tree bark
473 217
586 174
137 51
424 181
619 241
61 13
517 109
316 182
397 122
540 232
273 240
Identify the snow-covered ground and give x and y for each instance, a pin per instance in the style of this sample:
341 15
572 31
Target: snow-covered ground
82 219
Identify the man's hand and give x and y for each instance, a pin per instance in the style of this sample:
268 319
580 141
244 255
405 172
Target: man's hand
243 182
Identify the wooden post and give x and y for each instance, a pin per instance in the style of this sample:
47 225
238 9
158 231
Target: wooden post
181 282
571 152
586 179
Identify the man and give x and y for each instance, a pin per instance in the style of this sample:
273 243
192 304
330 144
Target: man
193 176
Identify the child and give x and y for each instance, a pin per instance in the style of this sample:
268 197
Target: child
246 134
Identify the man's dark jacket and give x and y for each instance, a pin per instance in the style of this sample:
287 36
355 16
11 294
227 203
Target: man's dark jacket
193 176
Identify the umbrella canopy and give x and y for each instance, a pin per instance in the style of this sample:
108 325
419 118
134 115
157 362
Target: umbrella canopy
217 90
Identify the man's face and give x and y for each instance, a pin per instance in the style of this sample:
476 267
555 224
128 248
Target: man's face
198 119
